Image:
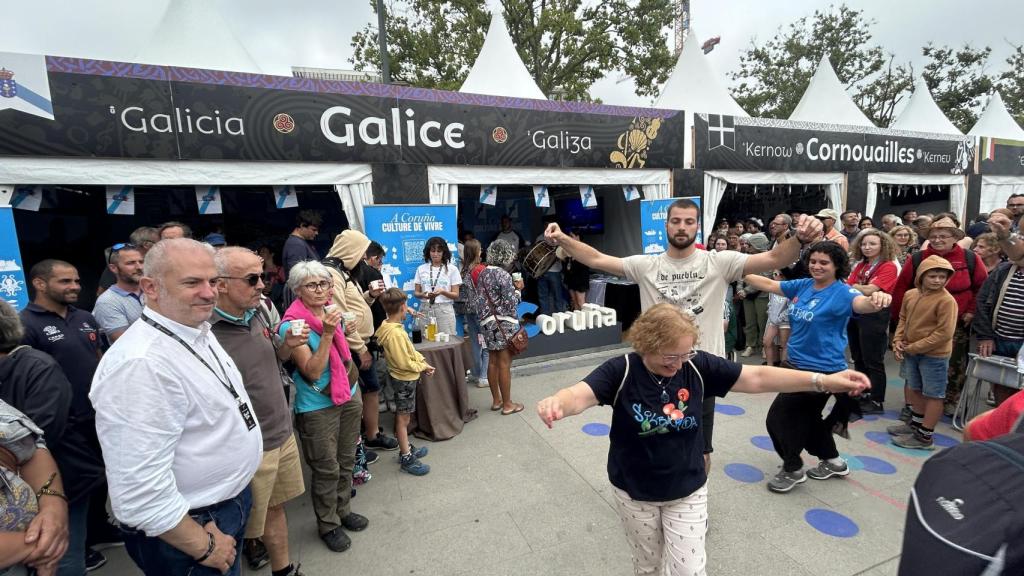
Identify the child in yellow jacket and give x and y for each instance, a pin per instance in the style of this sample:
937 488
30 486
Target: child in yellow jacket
405 365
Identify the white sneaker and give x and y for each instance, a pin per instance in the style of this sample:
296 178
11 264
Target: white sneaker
748 352
483 383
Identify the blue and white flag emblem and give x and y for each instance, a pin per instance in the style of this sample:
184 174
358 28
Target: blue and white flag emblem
540 196
284 197
25 84
630 192
121 200
587 197
208 199
489 195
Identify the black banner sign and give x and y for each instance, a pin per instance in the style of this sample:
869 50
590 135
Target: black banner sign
733 143
111 116
1000 157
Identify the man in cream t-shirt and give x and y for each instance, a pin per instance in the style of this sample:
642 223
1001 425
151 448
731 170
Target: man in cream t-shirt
695 280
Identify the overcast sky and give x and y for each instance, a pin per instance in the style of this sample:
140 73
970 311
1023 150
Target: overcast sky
279 35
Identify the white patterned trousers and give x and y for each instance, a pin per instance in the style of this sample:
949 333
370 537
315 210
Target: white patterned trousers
666 538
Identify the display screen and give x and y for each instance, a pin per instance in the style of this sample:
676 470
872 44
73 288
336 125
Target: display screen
572 215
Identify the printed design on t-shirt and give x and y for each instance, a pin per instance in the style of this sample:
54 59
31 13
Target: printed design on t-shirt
681 287
53 334
803 313
672 416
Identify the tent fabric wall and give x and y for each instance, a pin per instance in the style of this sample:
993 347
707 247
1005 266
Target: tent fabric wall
353 198
715 182
957 188
995 190
443 181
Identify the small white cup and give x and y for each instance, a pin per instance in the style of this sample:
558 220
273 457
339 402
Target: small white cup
297 325
377 285
517 276
348 317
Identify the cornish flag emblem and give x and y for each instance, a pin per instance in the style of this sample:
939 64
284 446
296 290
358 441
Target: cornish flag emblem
721 132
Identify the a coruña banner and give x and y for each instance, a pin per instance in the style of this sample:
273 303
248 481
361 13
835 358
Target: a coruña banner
117 110
724 142
653 214
12 273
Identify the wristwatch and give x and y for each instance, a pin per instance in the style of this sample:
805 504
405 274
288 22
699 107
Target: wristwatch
816 380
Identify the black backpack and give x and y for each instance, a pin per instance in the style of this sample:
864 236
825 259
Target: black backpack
966 511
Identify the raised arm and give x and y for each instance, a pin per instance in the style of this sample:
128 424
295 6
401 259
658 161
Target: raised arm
1012 246
760 379
584 253
758 282
566 402
808 229
873 303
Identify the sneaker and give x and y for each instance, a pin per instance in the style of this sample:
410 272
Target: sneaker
483 383
94 560
355 522
825 470
900 430
906 415
748 352
255 553
418 452
786 481
914 442
337 540
868 406
382 442
411 464
371 457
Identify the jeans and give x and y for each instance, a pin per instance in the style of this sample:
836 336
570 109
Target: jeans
868 334
479 368
158 558
73 561
926 374
550 294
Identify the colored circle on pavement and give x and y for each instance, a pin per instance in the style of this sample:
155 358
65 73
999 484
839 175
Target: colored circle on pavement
831 523
763 442
596 429
891 414
885 439
869 417
876 465
729 409
744 473
944 441
852 461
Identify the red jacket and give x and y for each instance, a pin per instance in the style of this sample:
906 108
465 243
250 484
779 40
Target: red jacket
963 288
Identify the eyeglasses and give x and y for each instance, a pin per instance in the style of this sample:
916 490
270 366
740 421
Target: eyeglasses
117 248
317 286
250 279
684 358
901 235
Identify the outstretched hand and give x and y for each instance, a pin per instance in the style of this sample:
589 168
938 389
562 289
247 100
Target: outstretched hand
808 228
549 410
848 381
553 233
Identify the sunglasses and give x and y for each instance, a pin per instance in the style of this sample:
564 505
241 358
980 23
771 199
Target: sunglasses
118 247
250 279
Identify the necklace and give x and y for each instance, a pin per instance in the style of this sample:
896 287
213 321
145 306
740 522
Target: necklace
662 382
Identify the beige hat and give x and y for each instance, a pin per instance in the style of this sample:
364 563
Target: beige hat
827 213
946 224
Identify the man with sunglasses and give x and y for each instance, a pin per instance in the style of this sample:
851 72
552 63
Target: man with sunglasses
143 238
243 326
120 306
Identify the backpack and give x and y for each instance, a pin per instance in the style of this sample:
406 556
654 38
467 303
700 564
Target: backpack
969 255
966 511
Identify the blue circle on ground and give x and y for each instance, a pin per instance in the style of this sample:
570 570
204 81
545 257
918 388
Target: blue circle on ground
852 461
876 465
729 409
744 473
763 442
831 523
869 417
891 415
944 441
596 429
885 439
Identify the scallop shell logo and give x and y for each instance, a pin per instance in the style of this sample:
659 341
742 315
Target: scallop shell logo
283 123
634 143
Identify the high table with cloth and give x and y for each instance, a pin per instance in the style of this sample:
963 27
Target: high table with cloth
617 293
442 402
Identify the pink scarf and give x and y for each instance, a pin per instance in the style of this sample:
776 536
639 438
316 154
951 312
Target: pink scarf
341 390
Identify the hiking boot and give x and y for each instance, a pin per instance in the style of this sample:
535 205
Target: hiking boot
914 442
900 430
371 456
786 481
355 522
906 415
825 470
382 442
868 406
337 540
411 464
418 452
255 553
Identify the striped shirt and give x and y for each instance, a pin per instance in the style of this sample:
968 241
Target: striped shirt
1010 319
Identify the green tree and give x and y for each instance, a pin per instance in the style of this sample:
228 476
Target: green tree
774 75
1011 84
958 81
567 45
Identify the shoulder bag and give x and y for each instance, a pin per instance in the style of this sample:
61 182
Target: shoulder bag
520 340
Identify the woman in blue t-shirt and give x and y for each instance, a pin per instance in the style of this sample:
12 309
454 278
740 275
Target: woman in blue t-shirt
655 459
819 308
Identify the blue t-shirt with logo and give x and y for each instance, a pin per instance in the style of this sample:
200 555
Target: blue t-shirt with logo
818 321
307 399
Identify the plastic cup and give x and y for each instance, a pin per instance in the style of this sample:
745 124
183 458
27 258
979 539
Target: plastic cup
349 317
377 285
297 325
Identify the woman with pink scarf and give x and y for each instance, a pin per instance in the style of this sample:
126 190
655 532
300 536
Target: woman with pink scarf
327 404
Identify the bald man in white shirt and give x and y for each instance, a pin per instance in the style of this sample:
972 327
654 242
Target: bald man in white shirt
179 436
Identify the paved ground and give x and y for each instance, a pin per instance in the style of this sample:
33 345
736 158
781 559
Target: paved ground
510 497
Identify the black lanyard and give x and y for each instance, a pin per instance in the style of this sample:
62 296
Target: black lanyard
225 381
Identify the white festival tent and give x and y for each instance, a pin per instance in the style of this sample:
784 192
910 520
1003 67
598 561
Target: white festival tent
192 34
996 122
694 86
826 102
498 69
921 114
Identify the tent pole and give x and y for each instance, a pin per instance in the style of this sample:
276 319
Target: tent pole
382 39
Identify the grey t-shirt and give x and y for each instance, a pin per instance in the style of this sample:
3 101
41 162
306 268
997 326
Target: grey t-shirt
116 309
700 280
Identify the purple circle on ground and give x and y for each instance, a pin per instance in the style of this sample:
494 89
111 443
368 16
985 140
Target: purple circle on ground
891 415
878 437
944 441
885 439
763 442
869 417
831 523
744 473
596 429
876 465
729 409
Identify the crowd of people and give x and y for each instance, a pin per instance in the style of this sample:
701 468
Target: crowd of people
176 401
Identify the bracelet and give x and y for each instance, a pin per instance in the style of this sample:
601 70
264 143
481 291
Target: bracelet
45 490
816 380
209 549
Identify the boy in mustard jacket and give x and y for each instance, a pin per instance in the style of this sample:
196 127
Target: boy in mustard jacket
405 365
924 343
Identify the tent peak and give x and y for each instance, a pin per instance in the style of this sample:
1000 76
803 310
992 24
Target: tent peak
826 101
498 69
